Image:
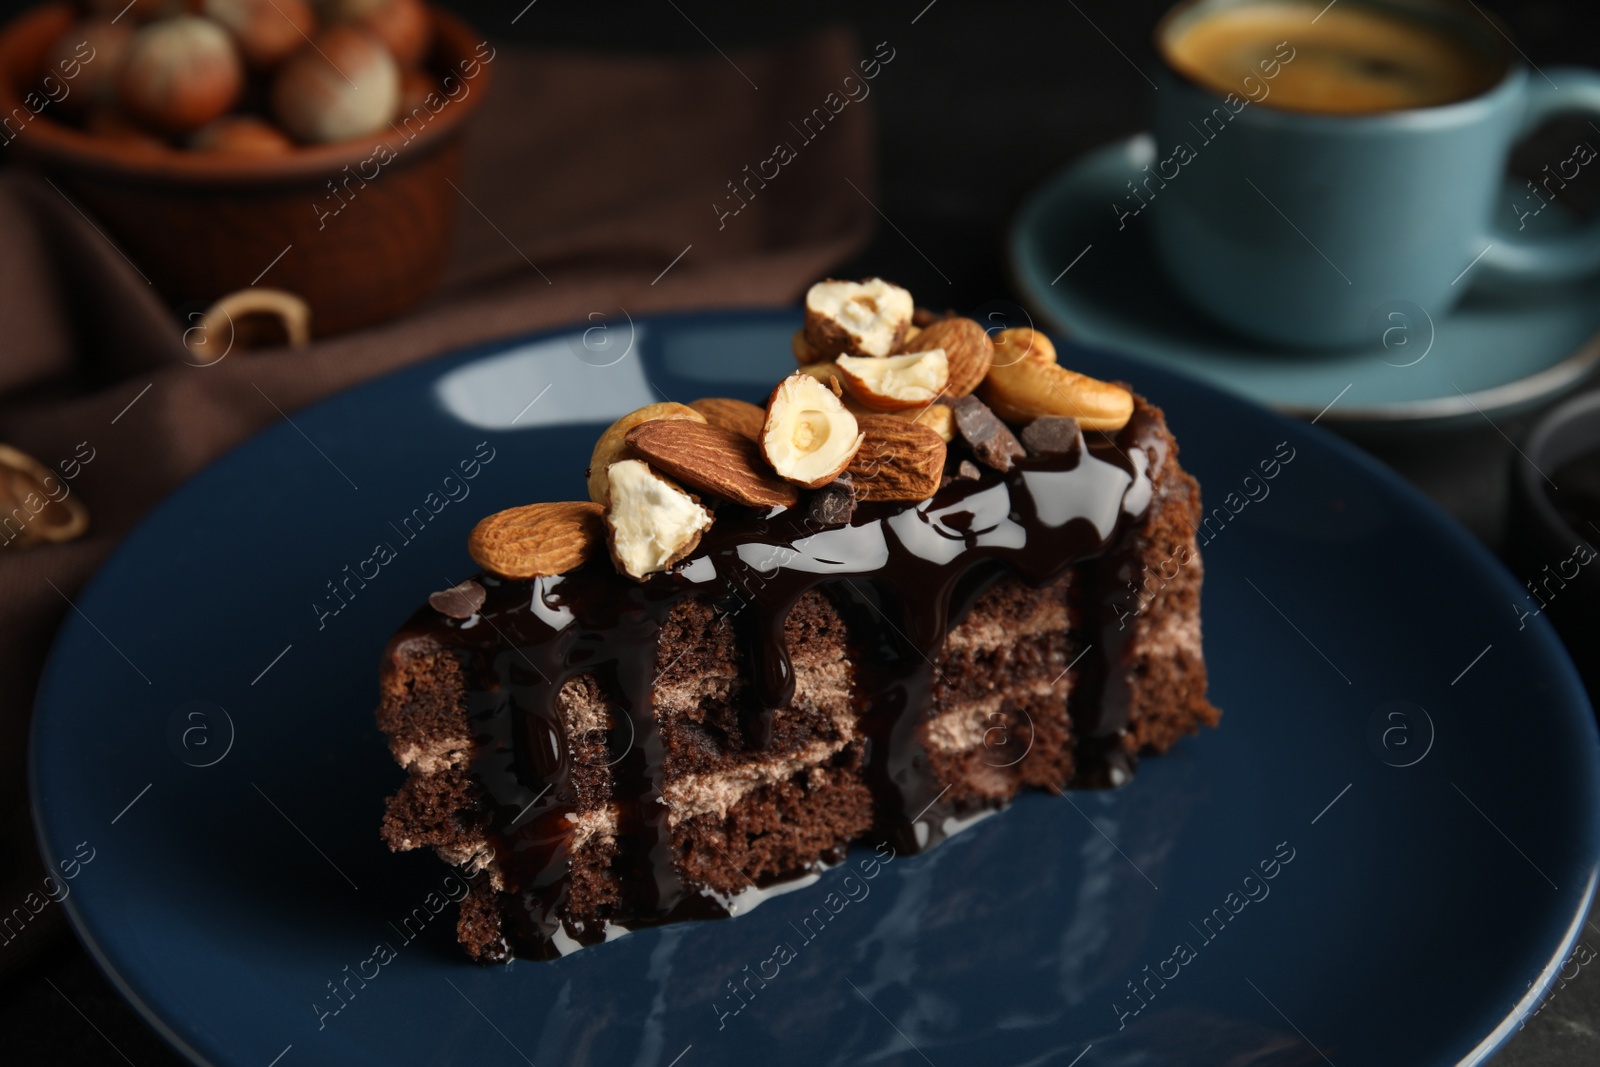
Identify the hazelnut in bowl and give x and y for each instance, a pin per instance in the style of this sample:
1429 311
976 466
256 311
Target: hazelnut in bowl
309 145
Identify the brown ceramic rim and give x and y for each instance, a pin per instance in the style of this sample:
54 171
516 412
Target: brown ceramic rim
57 144
1503 51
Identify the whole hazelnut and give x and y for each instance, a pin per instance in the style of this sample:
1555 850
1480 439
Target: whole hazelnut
180 74
241 135
346 86
402 25
266 31
86 59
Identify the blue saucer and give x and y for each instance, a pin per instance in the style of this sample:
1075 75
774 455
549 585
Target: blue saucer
1383 854
1495 354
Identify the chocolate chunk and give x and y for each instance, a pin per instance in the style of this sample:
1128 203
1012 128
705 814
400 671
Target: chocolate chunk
1052 435
459 601
991 440
968 470
834 503
922 316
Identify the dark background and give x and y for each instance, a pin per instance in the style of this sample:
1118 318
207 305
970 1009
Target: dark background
983 101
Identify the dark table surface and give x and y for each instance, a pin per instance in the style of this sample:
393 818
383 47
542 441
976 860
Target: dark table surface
984 101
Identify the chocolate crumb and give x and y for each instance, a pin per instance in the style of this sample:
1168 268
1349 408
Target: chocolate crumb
1052 435
834 503
459 601
968 470
991 440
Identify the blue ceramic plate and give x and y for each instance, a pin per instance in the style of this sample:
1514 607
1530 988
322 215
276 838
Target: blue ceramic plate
1382 856
1495 354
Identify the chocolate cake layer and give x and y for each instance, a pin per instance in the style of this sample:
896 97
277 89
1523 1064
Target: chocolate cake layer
615 753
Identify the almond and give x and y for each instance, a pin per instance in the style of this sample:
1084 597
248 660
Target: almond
808 437
966 348
1020 343
1026 390
537 539
740 416
867 318
652 522
936 417
899 460
613 444
892 383
712 459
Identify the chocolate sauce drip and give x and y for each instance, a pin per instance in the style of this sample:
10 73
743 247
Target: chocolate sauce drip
901 576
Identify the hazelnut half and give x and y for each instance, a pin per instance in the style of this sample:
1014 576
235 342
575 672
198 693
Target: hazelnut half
895 382
867 318
808 436
652 522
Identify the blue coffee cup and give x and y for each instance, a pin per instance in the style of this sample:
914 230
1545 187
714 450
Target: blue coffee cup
1298 228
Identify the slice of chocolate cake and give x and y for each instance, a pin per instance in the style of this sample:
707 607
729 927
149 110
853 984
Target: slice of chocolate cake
883 614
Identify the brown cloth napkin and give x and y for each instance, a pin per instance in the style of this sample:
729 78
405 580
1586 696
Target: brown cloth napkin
586 177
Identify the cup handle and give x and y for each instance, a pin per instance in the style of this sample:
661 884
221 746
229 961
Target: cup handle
1565 256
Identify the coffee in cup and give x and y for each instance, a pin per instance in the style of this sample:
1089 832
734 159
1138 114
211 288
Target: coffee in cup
1315 163
1348 60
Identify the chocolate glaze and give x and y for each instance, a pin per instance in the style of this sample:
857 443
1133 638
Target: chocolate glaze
900 575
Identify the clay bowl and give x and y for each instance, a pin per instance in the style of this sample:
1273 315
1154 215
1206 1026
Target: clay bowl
366 223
